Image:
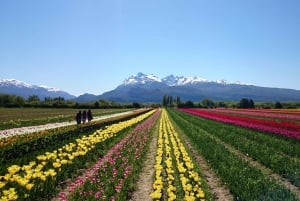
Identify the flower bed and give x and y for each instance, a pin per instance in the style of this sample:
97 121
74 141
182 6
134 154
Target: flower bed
40 176
111 178
283 128
175 177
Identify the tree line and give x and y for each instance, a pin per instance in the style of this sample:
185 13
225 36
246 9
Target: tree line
169 101
8 100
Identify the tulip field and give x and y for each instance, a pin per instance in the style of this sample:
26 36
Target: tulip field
254 153
176 178
284 123
36 174
255 165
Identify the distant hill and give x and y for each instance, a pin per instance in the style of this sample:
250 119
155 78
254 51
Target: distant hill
144 88
16 87
86 98
150 88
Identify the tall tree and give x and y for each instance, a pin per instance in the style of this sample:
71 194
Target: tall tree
208 103
278 105
246 103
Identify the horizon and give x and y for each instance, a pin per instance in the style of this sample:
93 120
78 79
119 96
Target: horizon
93 46
125 79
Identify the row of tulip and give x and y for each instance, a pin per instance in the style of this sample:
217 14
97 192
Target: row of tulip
283 128
112 176
24 148
280 154
10 136
278 111
176 177
246 181
21 182
284 115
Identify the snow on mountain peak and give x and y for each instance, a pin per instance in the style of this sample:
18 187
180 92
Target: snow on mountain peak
20 84
141 78
171 80
225 82
15 82
190 80
53 89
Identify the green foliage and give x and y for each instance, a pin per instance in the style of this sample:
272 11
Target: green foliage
25 150
136 105
278 105
207 103
7 100
187 104
245 181
246 103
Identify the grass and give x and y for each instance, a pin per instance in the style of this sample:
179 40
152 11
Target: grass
19 117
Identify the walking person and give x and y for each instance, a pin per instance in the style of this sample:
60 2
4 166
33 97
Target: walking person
84 116
89 115
78 117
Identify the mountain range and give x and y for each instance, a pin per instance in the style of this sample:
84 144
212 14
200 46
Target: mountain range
16 87
150 88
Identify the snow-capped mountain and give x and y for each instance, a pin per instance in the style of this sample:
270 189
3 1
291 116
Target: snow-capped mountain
150 88
19 88
141 78
15 83
171 80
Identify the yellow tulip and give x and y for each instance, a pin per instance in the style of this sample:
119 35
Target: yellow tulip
29 186
13 169
2 184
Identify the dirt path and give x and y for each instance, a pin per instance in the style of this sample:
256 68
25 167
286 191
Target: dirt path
219 191
31 129
144 184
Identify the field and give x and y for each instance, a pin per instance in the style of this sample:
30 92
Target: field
19 117
161 154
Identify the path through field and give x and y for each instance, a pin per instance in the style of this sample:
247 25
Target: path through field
219 191
144 184
32 129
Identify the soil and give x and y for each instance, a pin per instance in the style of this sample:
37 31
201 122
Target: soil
218 190
144 184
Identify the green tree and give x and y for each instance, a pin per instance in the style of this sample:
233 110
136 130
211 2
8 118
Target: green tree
246 103
207 103
221 104
189 104
136 105
33 98
19 101
278 105
96 104
178 100
6 100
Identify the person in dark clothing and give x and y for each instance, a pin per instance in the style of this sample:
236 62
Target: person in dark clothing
78 117
89 115
84 116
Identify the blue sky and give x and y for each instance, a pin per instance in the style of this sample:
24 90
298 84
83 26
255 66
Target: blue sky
92 46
